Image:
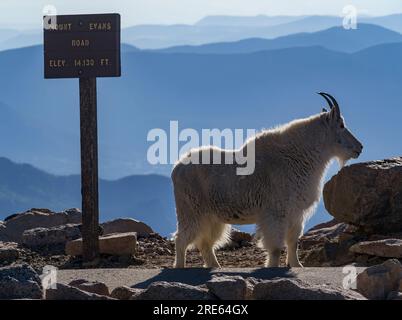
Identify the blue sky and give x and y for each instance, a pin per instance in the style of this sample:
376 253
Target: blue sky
23 14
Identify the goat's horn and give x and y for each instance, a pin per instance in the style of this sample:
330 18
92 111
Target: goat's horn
324 95
335 103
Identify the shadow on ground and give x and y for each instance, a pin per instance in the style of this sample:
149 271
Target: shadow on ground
198 276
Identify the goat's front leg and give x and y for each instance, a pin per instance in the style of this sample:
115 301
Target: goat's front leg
273 233
292 239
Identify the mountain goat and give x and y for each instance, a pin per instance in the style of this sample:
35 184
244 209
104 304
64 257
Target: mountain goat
281 194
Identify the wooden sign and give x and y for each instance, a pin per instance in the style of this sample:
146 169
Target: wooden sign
85 47
82 46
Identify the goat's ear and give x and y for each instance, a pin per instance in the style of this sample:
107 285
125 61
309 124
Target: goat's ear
324 110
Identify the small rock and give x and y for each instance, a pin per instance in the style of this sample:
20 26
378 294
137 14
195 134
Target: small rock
295 289
395 295
66 292
162 251
229 287
163 290
239 236
3 237
8 252
125 293
39 237
388 248
127 225
148 250
20 282
119 244
74 215
378 281
91 286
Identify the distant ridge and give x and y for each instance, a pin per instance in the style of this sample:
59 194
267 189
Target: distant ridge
335 38
246 21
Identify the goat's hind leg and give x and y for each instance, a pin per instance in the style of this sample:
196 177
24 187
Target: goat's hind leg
273 241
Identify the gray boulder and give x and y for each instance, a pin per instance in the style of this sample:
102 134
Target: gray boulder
66 292
126 225
295 289
39 237
377 282
229 287
367 195
9 252
20 282
91 286
388 248
15 225
163 290
125 293
119 244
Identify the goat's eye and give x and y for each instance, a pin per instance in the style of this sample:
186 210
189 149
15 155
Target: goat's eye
342 126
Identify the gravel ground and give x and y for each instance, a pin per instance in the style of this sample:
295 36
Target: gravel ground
153 252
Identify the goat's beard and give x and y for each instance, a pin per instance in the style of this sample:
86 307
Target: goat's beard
342 162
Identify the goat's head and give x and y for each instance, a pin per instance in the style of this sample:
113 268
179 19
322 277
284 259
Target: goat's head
345 145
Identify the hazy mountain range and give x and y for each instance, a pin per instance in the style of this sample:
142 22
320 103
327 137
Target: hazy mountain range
253 83
253 90
335 38
213 29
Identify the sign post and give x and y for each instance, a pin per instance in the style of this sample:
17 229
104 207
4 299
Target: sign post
89 169
85 47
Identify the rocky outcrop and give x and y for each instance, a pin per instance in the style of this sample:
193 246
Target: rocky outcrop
15 225
20 282
120 244
295 289
327 245
230 287
127 225
388 248
154 245
366 201
377 282
45 237
163 290
368 195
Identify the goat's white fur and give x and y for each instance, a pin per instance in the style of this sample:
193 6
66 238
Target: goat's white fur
281 194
